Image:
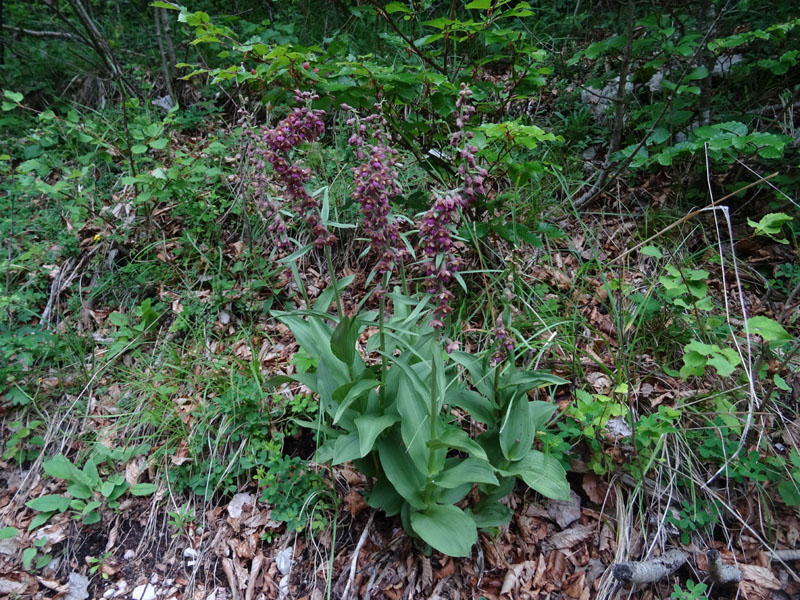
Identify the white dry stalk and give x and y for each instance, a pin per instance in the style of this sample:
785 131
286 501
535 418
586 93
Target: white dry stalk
607 589
747 363
354 561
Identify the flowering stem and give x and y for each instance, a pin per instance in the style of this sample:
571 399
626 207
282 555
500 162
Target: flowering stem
336 295
382 339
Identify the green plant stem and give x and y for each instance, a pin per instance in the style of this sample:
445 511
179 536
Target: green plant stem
382 340
336 295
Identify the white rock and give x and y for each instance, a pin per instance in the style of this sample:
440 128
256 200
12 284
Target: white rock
109 593
129 554
284 560
238 504
78 587
144 592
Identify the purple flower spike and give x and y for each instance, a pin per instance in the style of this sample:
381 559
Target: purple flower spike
375 186
276 147
440 260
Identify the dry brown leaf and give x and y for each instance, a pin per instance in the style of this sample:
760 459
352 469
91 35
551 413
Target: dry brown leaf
575 585
354 502
133 469
760 576
570 537
595 487
564 512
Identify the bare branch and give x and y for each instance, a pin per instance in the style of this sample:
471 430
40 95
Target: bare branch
56 35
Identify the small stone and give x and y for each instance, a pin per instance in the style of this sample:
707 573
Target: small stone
129 554
144 592
109 593
284 560
78 587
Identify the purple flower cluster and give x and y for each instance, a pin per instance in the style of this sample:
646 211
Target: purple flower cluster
505 345
276 146
375 185
440 260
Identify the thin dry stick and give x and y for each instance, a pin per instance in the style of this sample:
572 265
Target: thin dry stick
688 216
747 364
719 573
356 552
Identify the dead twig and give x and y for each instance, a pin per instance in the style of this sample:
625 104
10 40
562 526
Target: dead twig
356 552
719 573
650 571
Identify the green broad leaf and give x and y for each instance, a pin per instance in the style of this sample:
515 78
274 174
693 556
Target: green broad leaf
92 518
446 528
458 439
60 467
721 364
369 428
481 373
43 561
697 73
119 319
106 488
119 489
343 339
479 5
27 557
49 503
519 428
346 448
414 409
770 225
6 533
469 470
401 470
789 492
651 251
297 254
477 405
40 519
531 379
395 7
159 144
78 490
383 496
139 149
90 470
769 329
350 392
13 96
541 473
143 489
493 514
167 5
780 383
